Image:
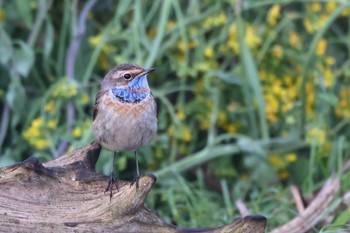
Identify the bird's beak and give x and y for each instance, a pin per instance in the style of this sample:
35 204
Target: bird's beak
146 71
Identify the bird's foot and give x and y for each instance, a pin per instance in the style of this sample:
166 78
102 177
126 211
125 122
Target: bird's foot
112 180
136 181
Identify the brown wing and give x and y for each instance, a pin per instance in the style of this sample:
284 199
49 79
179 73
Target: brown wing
95 110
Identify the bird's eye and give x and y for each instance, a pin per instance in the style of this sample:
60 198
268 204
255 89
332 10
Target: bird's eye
127 76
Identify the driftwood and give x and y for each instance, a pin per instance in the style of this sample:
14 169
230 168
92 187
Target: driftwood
66 195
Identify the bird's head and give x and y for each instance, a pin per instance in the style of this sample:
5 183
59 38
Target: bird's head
127 82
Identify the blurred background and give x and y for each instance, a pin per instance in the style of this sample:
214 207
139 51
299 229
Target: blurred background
253 96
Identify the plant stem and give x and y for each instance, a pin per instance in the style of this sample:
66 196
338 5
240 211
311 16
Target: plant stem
198 158
70 65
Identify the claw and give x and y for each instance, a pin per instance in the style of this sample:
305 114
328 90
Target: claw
136 180
112 179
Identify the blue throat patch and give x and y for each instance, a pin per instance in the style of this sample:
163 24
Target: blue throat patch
129 94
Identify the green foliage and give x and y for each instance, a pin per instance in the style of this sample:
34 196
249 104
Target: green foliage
250 98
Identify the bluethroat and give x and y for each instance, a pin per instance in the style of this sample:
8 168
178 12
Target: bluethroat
125 114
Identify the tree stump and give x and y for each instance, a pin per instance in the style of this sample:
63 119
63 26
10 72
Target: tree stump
66 195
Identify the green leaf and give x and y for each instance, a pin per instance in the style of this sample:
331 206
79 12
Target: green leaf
24 9
15 96
6 49
252 81
342 219
23 58
330 98
48 41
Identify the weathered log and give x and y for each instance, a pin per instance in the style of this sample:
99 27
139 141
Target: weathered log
66 195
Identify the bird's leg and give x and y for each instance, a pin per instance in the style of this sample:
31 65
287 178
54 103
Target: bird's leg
112 179
136 179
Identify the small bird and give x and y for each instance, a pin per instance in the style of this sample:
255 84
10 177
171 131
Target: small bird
125 114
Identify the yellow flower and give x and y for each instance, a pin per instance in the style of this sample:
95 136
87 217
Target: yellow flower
108 48
193 31
85 99
295 40
193 44
231 128
328 78
251 37
288 81
208 23
37 123
276 161
152 33
287 106
345 12
204 124
343 103
318 134
95 40
182 47
180 115
31 132
222 118
330 7
170 25
315 7
41 144
77 132
232 40
273 14
321 47
52 124
309 26
186 134
330 61
277 51
2 15
65 89
283 175
49 107
209 52
221 19
292 157
87 123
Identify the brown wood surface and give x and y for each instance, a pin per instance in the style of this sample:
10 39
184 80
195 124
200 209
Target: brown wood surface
66 195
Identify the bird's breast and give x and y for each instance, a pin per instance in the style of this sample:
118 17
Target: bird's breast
121 126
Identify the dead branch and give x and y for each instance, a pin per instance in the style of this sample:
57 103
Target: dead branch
66 195
314 212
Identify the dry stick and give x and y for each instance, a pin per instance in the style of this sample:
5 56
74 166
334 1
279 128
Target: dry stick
242 208
70 64
346 198
314 212
297 199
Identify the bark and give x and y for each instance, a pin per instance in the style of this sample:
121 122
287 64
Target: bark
66 195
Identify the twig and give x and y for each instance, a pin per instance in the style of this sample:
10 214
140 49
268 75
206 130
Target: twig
70 65
346 198
242 208
314 212
346 166
297 199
